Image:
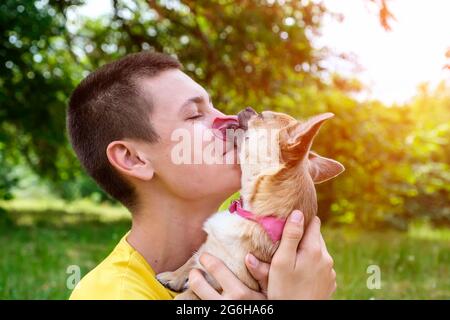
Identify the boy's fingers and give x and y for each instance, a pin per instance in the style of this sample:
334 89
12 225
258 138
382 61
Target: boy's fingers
201 287
322 241
224 276
323 244
259 271
312 238
292 234
325 250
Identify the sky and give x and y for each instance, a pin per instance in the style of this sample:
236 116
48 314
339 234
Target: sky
394 62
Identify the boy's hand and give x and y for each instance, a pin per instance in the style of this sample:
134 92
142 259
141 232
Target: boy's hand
299 270
233 288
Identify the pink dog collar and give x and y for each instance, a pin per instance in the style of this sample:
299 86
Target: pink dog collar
272 225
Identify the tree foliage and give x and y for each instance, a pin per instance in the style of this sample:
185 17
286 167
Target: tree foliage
252 52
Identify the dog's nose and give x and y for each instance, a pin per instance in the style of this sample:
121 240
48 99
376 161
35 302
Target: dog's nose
244 116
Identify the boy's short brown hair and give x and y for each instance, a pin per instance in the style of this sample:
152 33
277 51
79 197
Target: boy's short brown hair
107 106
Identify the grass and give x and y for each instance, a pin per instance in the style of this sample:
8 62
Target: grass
39 241
413 265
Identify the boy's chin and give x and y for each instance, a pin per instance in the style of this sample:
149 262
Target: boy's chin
233 169
235 177
230 158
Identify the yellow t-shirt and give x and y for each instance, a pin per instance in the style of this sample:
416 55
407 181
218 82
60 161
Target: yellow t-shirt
124 274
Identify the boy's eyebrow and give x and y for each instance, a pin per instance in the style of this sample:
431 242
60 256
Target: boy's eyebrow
196 99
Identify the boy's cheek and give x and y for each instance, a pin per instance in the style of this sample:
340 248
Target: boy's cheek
195 178
209 179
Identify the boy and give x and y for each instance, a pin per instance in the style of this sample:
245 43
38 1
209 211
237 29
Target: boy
120 120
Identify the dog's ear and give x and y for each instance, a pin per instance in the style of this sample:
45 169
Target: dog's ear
301 135
322 169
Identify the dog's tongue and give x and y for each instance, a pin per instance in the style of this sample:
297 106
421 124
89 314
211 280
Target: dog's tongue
221 124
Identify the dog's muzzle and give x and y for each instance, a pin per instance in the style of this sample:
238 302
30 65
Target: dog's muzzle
244 116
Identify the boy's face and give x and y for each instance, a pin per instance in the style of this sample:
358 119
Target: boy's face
182 105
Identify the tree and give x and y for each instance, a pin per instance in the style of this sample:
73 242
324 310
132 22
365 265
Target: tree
36 75
218 41
250 52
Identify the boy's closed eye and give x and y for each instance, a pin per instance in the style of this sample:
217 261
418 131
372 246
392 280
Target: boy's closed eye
196 117
193 113
195 107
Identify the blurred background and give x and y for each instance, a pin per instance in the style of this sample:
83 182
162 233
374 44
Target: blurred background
383 67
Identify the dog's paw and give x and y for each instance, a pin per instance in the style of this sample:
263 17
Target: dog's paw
173 282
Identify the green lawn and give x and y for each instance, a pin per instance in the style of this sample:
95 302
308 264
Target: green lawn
38 243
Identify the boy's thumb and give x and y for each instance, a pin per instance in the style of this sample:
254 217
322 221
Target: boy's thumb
292 233
259 271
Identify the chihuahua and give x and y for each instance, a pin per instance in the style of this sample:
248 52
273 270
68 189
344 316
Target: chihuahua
276 179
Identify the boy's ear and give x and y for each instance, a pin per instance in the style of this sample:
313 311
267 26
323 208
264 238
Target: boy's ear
126 158
323 169
301 135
